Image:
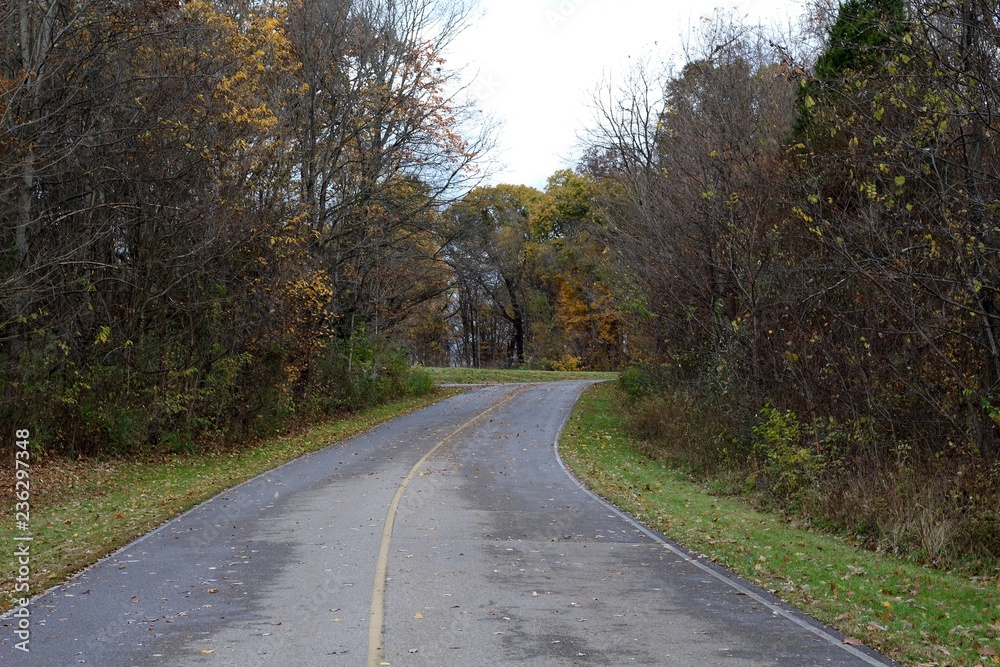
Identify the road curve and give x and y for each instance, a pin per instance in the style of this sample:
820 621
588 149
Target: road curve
451 536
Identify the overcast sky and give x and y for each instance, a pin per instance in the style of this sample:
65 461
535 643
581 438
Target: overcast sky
534 63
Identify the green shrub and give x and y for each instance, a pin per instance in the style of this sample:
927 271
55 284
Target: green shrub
360 372
693 433
637 381
419 382
791 467
182 395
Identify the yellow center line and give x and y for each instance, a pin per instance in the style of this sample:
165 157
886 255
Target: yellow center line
381 567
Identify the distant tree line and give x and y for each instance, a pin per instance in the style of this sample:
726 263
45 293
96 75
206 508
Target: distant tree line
528 283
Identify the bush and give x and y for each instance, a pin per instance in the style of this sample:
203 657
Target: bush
637 381
360 372
696 435
541 364
923 504
162 400
939 515
419 382
568 363
791 467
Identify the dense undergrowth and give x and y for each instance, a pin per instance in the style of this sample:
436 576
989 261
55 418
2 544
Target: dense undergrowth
116 411
934 506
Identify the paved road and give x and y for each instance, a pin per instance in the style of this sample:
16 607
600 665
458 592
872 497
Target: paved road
452 536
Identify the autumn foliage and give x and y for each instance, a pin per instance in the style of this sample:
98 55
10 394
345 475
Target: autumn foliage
527 283
207 208
810 246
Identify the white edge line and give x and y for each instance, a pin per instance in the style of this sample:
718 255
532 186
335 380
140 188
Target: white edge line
793 616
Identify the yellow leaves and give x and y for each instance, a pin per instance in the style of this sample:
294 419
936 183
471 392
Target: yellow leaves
568 363
314 291
103 336
935 251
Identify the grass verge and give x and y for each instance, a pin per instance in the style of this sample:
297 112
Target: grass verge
912 613
84 510
500 376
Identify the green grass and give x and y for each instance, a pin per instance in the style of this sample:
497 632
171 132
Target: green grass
500 376
914 614
84 510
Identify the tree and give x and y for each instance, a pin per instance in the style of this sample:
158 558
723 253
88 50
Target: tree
690 160
371 114
903 188
489 251
197 197
580 324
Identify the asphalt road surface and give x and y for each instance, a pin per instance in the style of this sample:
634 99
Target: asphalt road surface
451 536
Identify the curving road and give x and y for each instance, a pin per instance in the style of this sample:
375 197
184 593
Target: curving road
451 536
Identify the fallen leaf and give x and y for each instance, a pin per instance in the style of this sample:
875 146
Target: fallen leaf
851 641
208 650
418 615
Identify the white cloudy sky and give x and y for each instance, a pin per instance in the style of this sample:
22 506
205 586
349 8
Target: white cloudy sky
533 64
